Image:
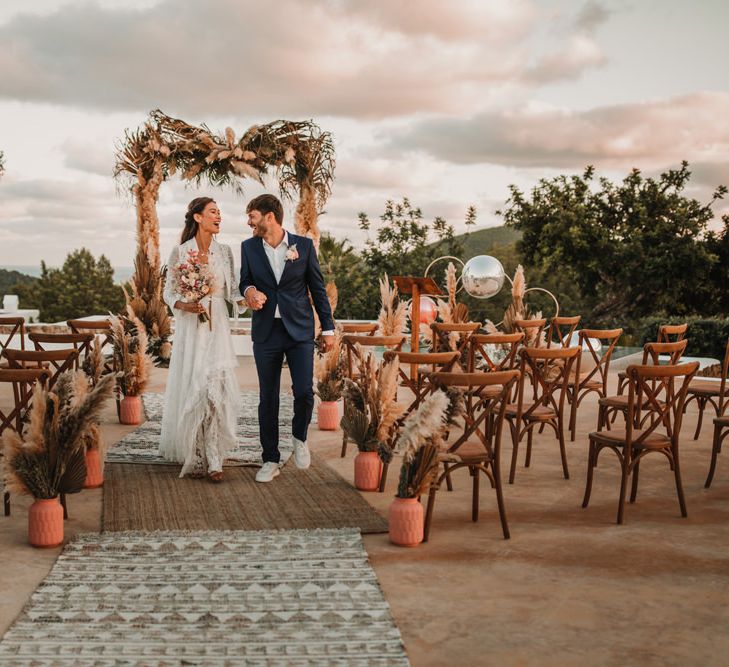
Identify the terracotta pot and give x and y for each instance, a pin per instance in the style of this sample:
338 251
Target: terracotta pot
45 523
327 416
130 410
405 519
367 471
94 473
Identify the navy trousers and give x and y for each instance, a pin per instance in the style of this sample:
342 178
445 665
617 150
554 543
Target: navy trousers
269 356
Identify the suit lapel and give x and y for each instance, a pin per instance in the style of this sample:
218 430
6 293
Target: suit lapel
287 263
258 248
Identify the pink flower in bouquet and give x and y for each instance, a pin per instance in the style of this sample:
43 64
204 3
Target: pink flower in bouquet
195 280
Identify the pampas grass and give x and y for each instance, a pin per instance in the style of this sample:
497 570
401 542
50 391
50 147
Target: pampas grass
49 458
393 311
130 354
329 371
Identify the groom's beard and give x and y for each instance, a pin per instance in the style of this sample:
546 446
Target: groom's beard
257 230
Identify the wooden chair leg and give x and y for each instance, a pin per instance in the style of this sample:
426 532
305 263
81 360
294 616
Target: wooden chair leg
634 482
715 449
496 467
591 455
701 404
562 448
429 512
624 472
449 482
6 503
514 451
573 416
475 495
679 485
530 436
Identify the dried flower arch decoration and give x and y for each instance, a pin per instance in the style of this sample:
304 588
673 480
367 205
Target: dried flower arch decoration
299 153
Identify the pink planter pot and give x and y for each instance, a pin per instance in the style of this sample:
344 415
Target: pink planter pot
94 474
327 416
367 471
130 410
405 520
45 523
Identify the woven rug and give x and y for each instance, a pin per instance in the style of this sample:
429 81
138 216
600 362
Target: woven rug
208 598
141 445
154 498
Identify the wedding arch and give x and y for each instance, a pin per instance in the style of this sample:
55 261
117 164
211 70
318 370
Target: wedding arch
299 153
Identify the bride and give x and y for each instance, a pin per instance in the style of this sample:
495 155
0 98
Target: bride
201 399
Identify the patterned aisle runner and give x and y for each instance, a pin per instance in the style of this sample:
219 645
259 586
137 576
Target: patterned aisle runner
141 445
208 598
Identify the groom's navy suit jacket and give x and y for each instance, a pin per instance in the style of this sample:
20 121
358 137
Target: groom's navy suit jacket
290 294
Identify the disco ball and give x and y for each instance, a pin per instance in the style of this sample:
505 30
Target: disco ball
483 276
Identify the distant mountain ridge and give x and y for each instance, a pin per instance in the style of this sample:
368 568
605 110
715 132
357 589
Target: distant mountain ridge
9 279
495 241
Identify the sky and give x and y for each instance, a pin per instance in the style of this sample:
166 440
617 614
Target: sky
446 102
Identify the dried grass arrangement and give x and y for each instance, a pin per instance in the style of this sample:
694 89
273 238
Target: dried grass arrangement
49 458
371 408
130 354
93 368
518 310
393 311
145 302
329 371
422 439
449 312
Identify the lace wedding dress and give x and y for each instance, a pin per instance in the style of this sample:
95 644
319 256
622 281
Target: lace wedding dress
202 395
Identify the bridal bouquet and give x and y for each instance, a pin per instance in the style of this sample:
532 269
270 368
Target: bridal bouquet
194 280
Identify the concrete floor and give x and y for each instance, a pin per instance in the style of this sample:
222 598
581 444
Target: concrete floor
569 588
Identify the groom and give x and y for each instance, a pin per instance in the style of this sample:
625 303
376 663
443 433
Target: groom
276 269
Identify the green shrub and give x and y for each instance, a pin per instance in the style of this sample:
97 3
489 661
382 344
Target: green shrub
707 336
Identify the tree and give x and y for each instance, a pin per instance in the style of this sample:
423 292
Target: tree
83 286
631 249
341 264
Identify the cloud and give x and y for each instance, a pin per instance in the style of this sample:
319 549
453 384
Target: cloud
295 58
646 134
95 157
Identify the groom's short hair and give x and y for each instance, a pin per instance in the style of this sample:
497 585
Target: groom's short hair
267 204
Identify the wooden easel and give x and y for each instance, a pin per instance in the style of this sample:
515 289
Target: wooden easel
416 286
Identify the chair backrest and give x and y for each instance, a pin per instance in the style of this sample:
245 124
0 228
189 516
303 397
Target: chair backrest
587 339
548 369
561 329
674 351
355 328
532 330
483 345
22 380
442 332
100 327
651 407
82 343
486 396
723 398
352 341
15 328
59 360
670 333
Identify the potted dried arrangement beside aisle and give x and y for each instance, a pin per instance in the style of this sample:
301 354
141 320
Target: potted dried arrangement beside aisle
132 364
393 311
329 376
93 441
422 440
49 457
370 413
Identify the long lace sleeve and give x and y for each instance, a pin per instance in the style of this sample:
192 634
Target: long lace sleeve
234 291
171 294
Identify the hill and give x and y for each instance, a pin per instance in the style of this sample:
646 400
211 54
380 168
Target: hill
486 241
9 279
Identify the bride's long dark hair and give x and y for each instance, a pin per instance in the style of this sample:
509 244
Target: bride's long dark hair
196 206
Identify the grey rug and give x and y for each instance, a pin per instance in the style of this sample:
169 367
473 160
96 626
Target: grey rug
208 598
141 445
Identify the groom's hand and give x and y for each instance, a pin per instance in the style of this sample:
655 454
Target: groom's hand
255 299
327 343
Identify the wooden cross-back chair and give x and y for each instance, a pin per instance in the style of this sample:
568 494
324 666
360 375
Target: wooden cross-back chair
481 346
561 329
425 363
667 333
710 391
56 361
365 328
659 433
82 343
585 382
611 406
23 381
97 328
478 448
16 326
547 371
443 330
532 330
352 343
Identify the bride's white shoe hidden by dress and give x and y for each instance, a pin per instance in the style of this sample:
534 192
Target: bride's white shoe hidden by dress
302 458
268 471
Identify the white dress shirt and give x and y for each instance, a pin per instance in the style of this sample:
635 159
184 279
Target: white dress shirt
277 259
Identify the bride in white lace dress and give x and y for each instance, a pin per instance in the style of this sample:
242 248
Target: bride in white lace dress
201 399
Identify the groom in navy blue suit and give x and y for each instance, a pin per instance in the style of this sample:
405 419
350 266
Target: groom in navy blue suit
278 271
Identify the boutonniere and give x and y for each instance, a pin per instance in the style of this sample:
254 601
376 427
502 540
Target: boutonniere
292 253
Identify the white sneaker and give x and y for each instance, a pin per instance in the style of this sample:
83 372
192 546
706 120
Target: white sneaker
268 471
302 458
